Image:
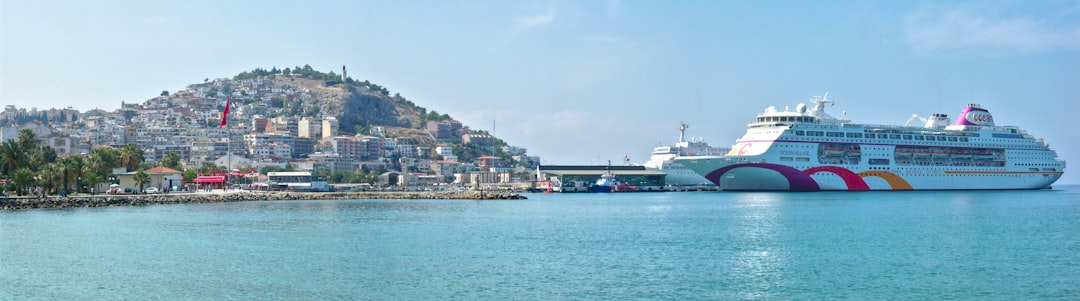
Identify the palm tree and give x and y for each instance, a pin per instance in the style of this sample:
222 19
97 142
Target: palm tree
45 155
105 159
141 178
11 157
23 180
50 175
171 160
27 139
130 157
92 179
73 170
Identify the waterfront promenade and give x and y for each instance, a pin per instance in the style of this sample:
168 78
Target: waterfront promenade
221 196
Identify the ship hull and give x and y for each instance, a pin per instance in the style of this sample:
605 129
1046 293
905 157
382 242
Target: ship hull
754 174
601 189
809 150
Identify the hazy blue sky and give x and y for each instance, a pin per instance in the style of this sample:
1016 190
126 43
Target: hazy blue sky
577 81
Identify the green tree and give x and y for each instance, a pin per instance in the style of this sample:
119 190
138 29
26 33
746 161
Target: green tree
190 175
164 92
268 169
73 170
325 172
92 179
208 167
141 178
145 165
341 177
23 180
11 157
171 160
130 157
27 139
49 176
104 159
45 155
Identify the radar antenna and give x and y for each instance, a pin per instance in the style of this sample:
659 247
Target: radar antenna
820 101
913 118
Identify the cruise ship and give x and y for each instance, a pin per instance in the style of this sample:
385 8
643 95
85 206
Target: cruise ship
663 160
809 150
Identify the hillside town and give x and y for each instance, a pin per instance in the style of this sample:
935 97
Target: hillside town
298 125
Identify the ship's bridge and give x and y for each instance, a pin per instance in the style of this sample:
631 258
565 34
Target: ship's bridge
801 114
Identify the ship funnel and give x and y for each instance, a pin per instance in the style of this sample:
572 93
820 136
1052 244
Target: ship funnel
937 121
975 115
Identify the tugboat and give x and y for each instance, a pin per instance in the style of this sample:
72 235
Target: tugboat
606 183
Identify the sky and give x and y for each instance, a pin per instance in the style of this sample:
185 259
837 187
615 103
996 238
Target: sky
577 82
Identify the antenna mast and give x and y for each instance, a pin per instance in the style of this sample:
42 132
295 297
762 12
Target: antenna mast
682 131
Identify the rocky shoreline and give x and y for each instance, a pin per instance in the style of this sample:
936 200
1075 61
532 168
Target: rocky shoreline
240 196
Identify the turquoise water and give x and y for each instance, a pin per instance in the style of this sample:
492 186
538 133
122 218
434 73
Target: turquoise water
870 245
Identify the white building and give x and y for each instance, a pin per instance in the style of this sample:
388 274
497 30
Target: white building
444 151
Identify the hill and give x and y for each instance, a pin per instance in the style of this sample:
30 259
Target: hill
357 105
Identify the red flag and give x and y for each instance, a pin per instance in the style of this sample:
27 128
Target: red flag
224 115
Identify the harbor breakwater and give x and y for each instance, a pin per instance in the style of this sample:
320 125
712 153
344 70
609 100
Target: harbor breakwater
240 196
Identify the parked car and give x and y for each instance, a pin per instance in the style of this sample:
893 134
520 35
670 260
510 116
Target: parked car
151 190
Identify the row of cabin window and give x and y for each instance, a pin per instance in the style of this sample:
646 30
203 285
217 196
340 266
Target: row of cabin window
785 119
880 136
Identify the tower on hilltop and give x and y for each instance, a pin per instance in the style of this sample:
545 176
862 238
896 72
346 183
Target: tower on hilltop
343 76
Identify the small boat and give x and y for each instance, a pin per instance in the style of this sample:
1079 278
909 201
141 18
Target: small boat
606 183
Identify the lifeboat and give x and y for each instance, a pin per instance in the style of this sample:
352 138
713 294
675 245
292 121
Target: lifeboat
903 152
939 153
921 153
961 154
834 151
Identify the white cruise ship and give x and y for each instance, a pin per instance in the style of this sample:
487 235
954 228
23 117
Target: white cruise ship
662 160
809 150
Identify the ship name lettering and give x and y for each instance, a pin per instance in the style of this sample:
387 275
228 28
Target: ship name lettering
794 153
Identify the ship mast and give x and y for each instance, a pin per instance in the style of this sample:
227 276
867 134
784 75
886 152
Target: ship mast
682 138
820 101
682 131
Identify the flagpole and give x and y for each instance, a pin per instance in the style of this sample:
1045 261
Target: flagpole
228 173
228 137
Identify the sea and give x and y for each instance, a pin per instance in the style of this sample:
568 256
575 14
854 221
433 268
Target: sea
983 245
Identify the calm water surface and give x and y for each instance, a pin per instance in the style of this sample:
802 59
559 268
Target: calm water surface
908 245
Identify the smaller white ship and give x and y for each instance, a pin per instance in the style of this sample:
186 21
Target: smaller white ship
663 159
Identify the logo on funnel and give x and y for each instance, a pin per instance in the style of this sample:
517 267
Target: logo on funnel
975 116
980 118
